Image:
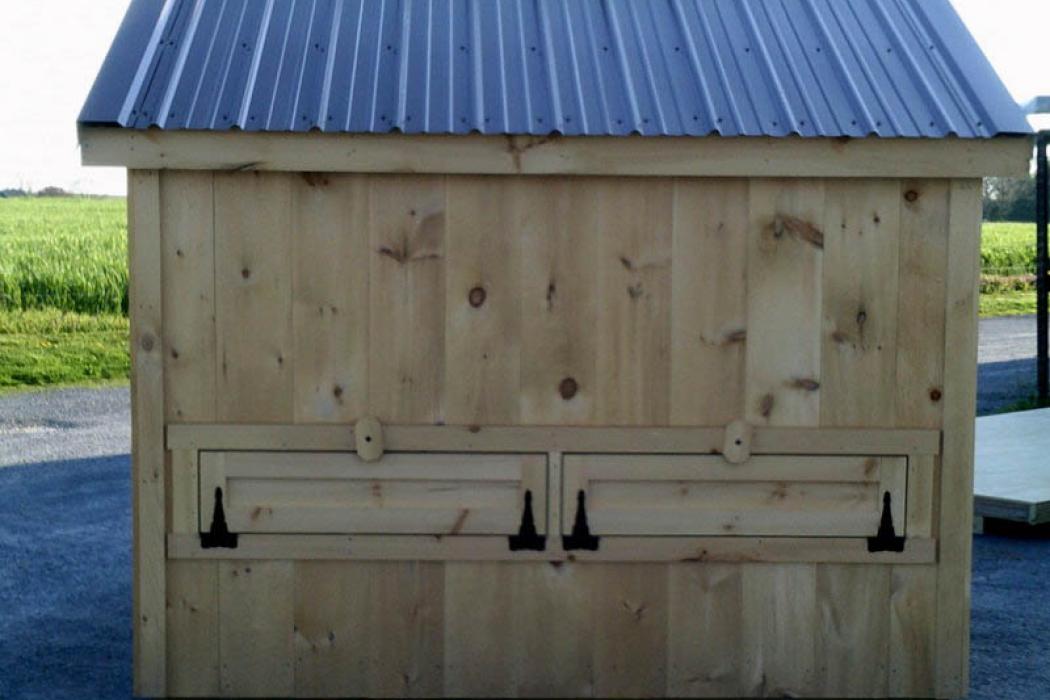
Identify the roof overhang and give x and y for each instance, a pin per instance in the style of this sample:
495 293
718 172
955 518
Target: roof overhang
712 156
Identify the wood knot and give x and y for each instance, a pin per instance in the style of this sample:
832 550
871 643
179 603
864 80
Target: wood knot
246 273
798 229
766 406
911 196
395 254
337 391
804 383
935 394
476 296
568 388
147 342
315 179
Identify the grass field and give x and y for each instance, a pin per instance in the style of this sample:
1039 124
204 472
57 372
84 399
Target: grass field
63 291
44 347
63 287
67 253
1007 268
1007 248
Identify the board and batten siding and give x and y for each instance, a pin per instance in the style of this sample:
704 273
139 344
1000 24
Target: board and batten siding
572 301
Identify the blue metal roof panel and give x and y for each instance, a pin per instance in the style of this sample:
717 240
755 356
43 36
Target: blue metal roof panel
828 68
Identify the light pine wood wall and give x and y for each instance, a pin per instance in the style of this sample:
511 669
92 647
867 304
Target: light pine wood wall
319 298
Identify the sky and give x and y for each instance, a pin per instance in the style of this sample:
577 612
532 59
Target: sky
50 51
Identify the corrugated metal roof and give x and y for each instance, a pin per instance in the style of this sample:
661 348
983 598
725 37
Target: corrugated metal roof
589 67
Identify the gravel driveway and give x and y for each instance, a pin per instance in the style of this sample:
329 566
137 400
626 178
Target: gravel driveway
49 426
65 570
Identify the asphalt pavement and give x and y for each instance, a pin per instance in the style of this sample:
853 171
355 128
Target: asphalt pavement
1005 362
65 570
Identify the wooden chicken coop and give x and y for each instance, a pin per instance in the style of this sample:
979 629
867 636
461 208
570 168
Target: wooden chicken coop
537 348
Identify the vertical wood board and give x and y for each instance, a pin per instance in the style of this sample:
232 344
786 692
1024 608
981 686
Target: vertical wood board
859 343
784 285
188 294
330 311
483 302
708 301
559 247
147 431
406 357
253 285
956 482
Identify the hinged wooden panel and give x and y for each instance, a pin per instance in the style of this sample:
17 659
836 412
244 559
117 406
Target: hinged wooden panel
768 495
407 493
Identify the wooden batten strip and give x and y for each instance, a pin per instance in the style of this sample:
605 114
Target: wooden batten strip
551 155
493 548
956 482
423 438
147 417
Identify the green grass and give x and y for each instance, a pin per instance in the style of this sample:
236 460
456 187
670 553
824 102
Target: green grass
66 253
63 291
1007 248
1007 268
49 347
1008 303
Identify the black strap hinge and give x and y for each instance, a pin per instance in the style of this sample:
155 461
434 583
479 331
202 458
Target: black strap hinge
218 535
527 537
886 540
581 537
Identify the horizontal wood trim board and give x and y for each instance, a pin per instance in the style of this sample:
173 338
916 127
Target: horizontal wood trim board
481 548
1005 509
530 155
447 438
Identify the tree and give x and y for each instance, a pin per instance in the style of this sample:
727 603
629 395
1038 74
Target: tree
1009 199
52 191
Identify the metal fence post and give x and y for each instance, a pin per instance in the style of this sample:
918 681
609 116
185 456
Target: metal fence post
1042 193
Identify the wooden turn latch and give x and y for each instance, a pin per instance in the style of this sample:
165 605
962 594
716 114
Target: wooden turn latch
368 436
736 446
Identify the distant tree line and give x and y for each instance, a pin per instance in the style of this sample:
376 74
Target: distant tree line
1009 199
49 191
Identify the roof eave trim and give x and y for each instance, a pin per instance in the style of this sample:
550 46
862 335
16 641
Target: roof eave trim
712 156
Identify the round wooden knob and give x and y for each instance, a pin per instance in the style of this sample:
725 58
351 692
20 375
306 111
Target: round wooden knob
368 436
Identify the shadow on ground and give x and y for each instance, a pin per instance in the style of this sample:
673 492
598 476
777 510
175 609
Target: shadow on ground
65 579
1001 385
65 590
